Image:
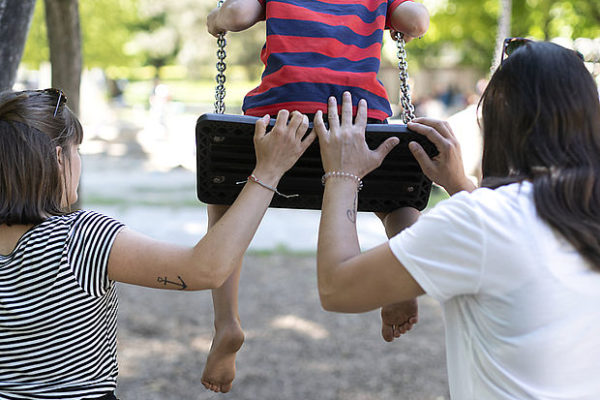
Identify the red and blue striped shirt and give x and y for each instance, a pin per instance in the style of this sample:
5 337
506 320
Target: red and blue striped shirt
317 49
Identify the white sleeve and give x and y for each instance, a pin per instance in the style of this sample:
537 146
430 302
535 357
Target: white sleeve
444 249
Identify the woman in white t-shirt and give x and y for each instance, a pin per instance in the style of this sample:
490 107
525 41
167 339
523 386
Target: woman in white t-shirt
514 264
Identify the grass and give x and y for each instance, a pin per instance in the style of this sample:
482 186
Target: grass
183 197
189 92
437 194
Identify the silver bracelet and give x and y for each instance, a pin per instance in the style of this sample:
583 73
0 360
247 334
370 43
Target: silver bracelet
253 178
339 174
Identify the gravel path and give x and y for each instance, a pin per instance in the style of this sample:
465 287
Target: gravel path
293 349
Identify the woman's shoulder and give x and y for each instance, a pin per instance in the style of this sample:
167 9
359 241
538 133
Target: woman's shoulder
502 195
80 220
486 203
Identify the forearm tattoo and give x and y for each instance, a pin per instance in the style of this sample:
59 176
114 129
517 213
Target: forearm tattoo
351 213
164 280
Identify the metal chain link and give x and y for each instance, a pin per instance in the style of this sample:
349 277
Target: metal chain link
221 67
408 110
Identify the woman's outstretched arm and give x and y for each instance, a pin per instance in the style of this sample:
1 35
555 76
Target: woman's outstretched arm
348 280
139 260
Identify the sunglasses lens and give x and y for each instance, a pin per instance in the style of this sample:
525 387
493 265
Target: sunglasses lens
513 45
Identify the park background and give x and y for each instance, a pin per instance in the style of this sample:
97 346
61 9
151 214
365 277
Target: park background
140 72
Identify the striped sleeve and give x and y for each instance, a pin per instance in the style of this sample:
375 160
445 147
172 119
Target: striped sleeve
89 243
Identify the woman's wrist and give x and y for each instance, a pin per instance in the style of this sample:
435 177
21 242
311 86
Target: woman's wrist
464 185
267 176
342 175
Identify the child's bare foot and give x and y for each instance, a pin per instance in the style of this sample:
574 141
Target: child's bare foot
398 318
220 365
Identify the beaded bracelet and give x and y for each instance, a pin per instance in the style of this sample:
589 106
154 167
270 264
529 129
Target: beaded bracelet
339 174
253 178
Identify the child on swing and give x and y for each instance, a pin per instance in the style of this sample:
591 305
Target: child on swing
313 50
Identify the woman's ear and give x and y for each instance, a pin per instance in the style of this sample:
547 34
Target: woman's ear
59 157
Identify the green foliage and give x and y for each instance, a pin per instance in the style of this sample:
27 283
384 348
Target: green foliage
546 19
36 47
466 29
105 27
126 33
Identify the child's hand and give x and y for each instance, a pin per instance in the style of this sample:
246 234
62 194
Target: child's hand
407 38
343 147
411 18
278 150
212 23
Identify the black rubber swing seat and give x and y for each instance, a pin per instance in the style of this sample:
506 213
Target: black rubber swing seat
225 155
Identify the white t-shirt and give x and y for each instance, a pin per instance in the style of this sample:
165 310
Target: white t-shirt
521 306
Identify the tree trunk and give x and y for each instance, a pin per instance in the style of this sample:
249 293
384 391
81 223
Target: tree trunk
64 40
15 18
504 20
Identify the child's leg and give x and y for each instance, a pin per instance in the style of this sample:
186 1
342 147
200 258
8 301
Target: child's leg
398 318
219 371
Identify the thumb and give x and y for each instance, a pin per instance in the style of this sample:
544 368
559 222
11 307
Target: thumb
319 125
422 158
384 148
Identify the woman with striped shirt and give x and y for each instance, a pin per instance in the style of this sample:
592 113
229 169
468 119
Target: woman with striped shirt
58 302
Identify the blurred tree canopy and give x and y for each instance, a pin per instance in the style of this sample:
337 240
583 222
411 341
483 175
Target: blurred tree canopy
157 32
464 31
106 26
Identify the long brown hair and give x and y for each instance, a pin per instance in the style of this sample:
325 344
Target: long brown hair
32 124
541 122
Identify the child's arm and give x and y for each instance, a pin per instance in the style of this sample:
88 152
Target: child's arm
410 18
235 16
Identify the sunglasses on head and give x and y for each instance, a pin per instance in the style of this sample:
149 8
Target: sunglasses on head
61 98
513 43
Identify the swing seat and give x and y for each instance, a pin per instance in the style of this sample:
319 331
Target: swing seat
225 155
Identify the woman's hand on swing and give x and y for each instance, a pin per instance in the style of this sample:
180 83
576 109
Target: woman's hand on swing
279 149
343 146
447 168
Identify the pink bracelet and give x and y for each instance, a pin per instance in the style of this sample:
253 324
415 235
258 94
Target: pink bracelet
253 178
339 174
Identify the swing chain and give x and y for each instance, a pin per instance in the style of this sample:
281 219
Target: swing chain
408 110
221 67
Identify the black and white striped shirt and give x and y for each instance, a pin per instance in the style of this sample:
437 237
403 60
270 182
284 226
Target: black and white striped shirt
58 311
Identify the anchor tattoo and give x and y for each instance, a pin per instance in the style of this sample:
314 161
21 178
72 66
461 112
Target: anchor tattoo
165 280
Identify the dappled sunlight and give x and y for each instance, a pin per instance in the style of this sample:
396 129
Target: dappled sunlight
300 325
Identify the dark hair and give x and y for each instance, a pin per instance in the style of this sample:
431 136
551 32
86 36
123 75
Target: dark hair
32 124
541 122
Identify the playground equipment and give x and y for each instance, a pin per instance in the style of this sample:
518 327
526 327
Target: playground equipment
225 156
